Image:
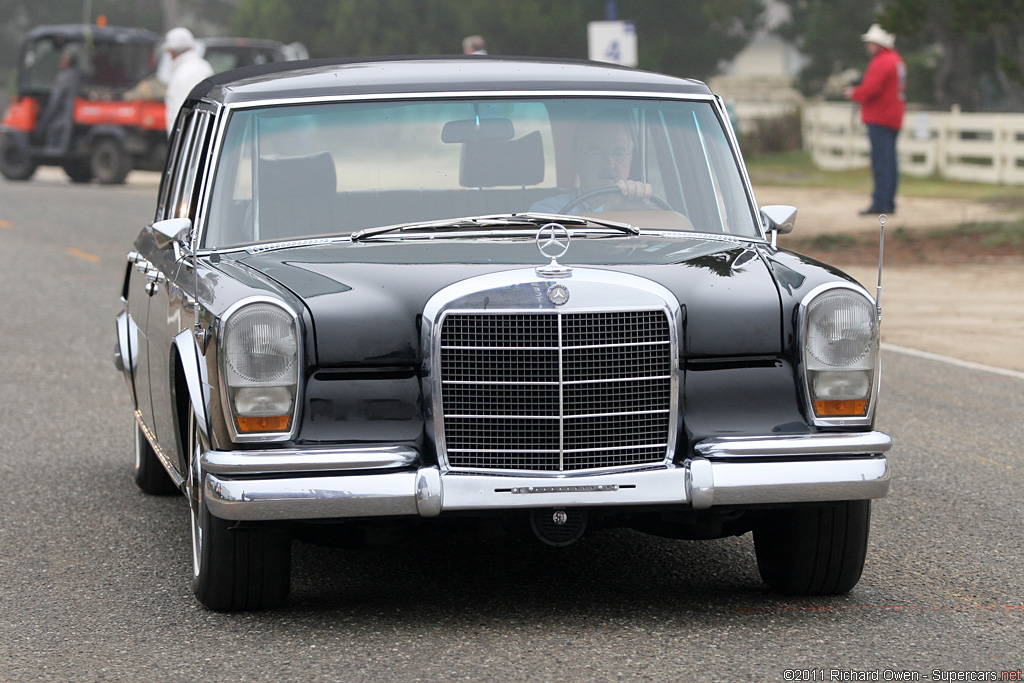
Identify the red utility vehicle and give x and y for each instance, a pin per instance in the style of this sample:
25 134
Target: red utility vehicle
115 124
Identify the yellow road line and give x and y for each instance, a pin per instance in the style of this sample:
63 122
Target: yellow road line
994 462
6 224
84 255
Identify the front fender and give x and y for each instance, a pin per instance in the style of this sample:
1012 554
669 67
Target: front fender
196 380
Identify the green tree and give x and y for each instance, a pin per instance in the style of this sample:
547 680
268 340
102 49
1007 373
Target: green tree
828 33
690 38
981 47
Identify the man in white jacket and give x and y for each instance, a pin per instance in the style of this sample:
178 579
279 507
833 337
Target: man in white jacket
187 69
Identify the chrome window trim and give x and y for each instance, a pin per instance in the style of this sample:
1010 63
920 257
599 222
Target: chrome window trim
869 416
215 123
263 437
457 299
398 96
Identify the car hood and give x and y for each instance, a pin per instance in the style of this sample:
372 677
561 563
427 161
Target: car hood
366 299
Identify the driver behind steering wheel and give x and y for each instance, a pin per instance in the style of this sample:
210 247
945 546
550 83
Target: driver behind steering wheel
603 152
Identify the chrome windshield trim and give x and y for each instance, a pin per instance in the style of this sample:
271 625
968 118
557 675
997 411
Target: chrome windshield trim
803 445
471 94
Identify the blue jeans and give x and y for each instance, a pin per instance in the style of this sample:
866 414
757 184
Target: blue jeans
883 167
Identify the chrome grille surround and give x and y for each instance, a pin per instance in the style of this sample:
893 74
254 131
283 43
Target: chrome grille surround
518 385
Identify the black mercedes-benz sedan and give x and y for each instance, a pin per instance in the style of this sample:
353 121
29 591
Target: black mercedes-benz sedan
534 293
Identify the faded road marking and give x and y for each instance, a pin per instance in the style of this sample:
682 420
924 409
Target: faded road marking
5 224
84 255
952 361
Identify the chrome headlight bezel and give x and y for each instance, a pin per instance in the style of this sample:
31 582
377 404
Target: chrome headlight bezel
227 390
865 367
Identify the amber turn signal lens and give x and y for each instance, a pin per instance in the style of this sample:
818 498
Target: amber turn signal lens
840 408
252 425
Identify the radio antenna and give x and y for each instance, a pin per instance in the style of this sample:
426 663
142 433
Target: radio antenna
881 251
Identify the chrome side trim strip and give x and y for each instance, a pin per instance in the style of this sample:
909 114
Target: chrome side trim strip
799 446
242 463
160 454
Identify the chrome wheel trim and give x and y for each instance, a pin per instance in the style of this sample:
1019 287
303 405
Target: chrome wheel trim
195 496
138 447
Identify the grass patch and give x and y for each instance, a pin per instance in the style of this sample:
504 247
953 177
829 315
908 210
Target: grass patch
1009 236
967 243
795 169
832 241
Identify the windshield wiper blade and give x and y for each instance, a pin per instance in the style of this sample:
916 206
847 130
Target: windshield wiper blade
566 219
497 221
500 220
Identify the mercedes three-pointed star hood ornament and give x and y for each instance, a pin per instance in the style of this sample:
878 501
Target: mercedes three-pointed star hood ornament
553 241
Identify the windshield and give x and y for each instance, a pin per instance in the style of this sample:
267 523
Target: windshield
107 67
334 168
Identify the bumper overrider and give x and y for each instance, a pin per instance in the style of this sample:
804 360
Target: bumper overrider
387 481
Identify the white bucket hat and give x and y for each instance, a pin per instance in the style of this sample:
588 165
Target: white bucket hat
879 36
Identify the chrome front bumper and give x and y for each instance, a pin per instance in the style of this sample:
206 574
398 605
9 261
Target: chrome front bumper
323 484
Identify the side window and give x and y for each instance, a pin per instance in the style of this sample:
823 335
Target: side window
180 190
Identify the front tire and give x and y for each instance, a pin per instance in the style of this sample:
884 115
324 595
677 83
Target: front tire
233 568
814 550
16 162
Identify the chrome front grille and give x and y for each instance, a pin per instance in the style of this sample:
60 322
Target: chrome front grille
556 392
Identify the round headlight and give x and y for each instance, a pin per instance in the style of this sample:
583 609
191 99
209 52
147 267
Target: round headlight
842 331
260 346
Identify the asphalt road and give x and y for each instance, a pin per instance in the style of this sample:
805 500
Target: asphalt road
94 575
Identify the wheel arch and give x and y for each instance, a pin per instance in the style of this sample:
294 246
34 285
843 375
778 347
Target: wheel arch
191 388
96 133
126 357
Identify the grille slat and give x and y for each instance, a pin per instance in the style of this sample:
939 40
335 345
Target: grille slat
556 391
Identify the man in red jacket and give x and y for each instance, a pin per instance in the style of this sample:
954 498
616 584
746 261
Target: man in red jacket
881 94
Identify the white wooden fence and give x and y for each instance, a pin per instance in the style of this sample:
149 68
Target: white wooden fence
984 148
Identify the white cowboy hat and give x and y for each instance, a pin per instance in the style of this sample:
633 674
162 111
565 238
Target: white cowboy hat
879 36
179 40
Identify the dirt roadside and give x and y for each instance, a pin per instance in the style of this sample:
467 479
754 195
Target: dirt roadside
971 309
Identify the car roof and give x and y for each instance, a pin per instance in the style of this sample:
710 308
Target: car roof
412 75
261 43
105 34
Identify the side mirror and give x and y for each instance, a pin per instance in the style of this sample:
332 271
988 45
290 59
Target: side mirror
779 219
176 232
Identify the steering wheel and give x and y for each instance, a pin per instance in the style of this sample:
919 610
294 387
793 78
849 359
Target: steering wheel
573 203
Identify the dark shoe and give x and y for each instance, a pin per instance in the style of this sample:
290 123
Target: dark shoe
872 211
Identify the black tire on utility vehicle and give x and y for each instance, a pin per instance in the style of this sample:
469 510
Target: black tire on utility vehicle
813 550
79 170
109 162
16 162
